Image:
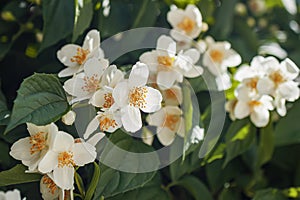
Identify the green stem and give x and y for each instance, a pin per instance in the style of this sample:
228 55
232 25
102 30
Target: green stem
140 14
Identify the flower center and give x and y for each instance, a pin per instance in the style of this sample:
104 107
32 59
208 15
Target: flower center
81 56
38 142
91 84
187 24
137 97
171 121
170 94
253 104
65 159
252 83
277 78
106 122
109 100
50 184
216 55
165 62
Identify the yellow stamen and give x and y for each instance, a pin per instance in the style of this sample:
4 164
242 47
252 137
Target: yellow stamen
252 83
91 84
38 142
171 121
81 56
165 62
170 94
277 78
105 123
216 55
49 183
253 104
187 24
109 100
65 159
137 97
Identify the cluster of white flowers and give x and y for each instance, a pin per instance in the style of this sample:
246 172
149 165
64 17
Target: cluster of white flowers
56 154
264 85
11 195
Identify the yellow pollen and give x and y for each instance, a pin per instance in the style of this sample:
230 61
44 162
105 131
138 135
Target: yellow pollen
91 84
77 140
65 159
137 97
252 83
38 142
277 78
216 55
165 62
187 24
170 94
49 183
109 100
105 123
171 121
81 56
253 104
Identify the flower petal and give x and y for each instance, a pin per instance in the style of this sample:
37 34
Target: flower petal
20 150
193 54
120 94
95 67
64 177
260 117
95 138
131 118
49 162
65 54
153 100
165 136
166 79
166 46
83 153
195 71
289 90
70 71
63 142
92 126
150 59
157 118
139 75
92 40
241 110
265 86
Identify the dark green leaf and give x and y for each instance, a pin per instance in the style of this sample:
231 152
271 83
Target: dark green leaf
91 190
83 18
269 194
195 187
17 175
58 21
41 100
4 112
266 145
113 182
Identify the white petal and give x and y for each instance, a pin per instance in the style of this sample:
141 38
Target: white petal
193 54
174 17
95 138
181 128
70 71
120 94
131 118
232 58
95 67
223 82
69 118
12 195
265 86
291 68
289 90
166 46
147 136
92 40
98 99
260 117
165 136
112 76
64 177
195 71
49 162
139 75
150 59
83 153
157 118
197 135
65 54
92 126
20 150
153 100
173 96
241 110
166 79
63 142
74 87
280 106
180 35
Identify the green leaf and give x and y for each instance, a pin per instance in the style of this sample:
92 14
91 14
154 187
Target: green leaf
195 187
268 194
58 17
5 159
113 182
83 18
239 137
4 112
91 190
266 145
287 136
17 175
41 100
148 12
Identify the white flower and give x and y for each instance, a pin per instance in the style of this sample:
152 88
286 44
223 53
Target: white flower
69 118
229 107
49 190
217 58
133 95
63 155
258 109
187 24
197 135
31 150
84 85
168 121
103 97
74 56
279 82
108 121
172 96
10 195
169 67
